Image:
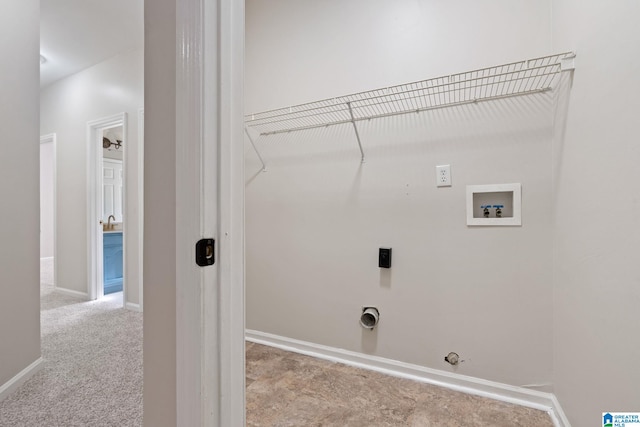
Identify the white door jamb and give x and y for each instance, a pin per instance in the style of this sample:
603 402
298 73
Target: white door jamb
140 205
210 203
94 202
43 140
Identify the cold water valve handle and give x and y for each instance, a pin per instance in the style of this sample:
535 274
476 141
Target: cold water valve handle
498 210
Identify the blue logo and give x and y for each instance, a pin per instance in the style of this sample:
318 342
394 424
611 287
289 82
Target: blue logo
620 419
607 420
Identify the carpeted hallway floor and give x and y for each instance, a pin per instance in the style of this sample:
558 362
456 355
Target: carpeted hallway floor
93 377
92 374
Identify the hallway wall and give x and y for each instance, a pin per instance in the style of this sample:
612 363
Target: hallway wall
160 347
19 187
108 88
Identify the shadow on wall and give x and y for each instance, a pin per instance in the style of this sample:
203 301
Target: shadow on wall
369 340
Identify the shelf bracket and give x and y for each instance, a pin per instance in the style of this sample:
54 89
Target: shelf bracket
264 167
567 63
355 128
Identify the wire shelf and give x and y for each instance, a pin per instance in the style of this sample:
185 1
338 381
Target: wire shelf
514 79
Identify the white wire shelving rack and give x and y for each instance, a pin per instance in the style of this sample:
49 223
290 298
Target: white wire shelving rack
501 81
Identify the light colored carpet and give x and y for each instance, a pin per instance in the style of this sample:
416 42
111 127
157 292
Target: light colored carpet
93 365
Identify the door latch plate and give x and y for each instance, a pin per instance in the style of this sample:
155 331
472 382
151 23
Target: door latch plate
205 252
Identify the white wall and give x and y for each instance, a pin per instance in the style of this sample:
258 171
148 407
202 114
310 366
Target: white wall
105 89
47 159
316 219
304 51
160 394
597 274
19 188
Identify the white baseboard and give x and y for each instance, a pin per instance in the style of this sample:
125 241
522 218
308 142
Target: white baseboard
504 392
558 416
72 293
10 386
133 307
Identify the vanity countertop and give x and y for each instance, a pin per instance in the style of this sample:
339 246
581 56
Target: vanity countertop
114 227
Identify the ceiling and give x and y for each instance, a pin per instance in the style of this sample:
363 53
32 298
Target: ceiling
76 34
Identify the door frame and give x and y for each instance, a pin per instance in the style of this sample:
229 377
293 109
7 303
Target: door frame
140 185
95 268
45 139
210 328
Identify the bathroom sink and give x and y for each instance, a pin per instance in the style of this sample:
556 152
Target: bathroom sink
111 228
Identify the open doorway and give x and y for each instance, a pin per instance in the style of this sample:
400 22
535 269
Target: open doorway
112 209
48 209
107 218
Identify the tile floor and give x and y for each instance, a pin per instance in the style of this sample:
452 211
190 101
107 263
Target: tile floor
289 389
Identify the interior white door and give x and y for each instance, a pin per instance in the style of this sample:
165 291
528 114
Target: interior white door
112 179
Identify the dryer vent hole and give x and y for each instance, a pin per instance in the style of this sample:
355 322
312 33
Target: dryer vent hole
369 317
368 320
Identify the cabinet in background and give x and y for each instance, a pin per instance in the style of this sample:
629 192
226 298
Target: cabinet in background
112 262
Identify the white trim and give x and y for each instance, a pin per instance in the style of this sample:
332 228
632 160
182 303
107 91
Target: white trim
190 400
193 404
46 258
557 414
125 208
231 185
72 293
463 383
210 203
43 140
140 206
20 378
133 307
95 288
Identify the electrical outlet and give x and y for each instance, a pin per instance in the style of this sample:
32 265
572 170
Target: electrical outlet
443 176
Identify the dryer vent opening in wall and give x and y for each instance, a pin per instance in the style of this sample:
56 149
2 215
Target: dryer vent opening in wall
369 317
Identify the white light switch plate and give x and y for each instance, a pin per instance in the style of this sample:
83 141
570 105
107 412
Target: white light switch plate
443 176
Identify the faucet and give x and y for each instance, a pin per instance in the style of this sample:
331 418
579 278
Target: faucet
109 221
